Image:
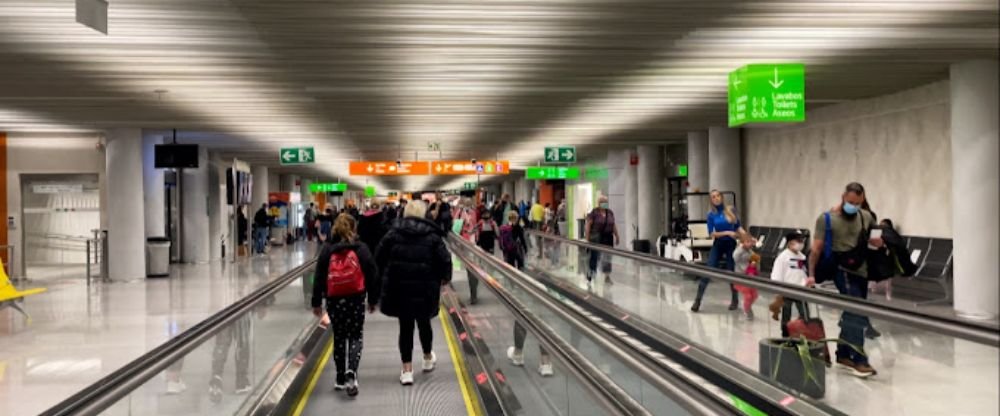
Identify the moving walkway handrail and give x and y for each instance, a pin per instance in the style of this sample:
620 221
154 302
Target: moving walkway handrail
615 399
978 332
109 390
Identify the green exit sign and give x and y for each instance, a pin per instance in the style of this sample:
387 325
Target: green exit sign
552 172
319 188
767 93
369 191
682 170
469 186
560 154
297 155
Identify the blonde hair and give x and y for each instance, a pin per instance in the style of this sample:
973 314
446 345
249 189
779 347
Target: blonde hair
726 209
512 217
416 208
343 227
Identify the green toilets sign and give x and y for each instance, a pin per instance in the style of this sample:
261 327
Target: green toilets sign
317 188
552 172
767 93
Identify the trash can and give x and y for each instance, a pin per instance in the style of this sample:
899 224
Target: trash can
157 257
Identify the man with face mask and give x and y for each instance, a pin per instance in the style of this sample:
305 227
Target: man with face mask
850 223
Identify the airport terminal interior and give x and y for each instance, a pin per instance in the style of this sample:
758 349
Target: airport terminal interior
499 207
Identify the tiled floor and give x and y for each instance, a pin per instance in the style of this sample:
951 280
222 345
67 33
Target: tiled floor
78 335
919 372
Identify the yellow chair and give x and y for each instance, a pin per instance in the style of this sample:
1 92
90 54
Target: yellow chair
10 296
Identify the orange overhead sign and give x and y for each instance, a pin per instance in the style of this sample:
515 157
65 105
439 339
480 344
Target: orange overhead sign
375 168
466 167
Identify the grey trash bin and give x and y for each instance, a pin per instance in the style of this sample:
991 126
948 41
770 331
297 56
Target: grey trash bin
157 257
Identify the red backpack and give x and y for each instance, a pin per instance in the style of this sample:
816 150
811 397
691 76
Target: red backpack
344 276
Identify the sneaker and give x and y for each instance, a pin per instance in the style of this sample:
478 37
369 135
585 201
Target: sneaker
244 389
515 358
872 333
175 387
429 364
733 306
215 389
607 280
545 370
352 383
406 378
858 370
341 382
696 307
748 315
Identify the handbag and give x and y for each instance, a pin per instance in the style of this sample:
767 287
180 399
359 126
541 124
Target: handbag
827 267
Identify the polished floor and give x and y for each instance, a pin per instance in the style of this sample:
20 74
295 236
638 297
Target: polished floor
920 373
78 334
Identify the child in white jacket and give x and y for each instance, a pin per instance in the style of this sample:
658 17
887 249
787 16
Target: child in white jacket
790 267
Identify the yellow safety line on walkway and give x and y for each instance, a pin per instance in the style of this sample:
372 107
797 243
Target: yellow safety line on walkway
303 398
472 405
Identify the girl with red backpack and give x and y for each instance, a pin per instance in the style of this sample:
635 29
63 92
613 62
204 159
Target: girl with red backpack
345 275
512 241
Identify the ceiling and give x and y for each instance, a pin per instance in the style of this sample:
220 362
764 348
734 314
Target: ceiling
380 79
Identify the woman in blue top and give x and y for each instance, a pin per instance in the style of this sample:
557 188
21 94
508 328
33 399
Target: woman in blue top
725 228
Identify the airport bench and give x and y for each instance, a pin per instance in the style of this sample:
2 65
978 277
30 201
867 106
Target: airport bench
11 297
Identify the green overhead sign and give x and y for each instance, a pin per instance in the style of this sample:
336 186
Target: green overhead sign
318 188
369 191
552 172
560 154
767 93
469 186
297 155
682 170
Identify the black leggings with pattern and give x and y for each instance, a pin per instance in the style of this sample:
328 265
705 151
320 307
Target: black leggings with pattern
347 319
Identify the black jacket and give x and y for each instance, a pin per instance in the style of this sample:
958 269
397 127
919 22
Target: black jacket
897 247
371 229
373 284
261 219
440 213
414 263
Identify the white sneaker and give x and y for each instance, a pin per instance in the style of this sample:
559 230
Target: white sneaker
515 358
406 378
176 387
243 390
429 364
545 370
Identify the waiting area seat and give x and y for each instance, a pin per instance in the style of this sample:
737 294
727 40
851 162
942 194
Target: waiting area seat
770 242
10 296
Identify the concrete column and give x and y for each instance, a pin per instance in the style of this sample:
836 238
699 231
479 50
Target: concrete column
261 187
307 197
126 228
217 214
650 181
507 188
725 163
697 151
628 232
194 209
153 190
975 187
622 191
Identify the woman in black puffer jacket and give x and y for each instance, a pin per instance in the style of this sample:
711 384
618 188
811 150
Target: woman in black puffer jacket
414 263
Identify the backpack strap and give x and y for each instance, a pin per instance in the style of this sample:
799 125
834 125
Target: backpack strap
827 237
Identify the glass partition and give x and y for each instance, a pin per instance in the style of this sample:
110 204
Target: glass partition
918 371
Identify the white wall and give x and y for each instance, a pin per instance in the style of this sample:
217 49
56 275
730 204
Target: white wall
897 146
52 154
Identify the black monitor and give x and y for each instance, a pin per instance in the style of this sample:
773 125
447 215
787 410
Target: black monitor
176 156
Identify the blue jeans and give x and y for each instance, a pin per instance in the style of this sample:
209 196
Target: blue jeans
259 239
852 325
722 250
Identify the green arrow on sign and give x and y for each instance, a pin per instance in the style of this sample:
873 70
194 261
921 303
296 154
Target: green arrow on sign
560 154
552 172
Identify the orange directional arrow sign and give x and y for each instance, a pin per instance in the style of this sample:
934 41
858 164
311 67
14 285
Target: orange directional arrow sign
460 167
389 168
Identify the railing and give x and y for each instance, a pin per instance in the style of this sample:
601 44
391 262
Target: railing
979 332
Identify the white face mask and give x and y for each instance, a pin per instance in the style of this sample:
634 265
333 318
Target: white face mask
795 246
